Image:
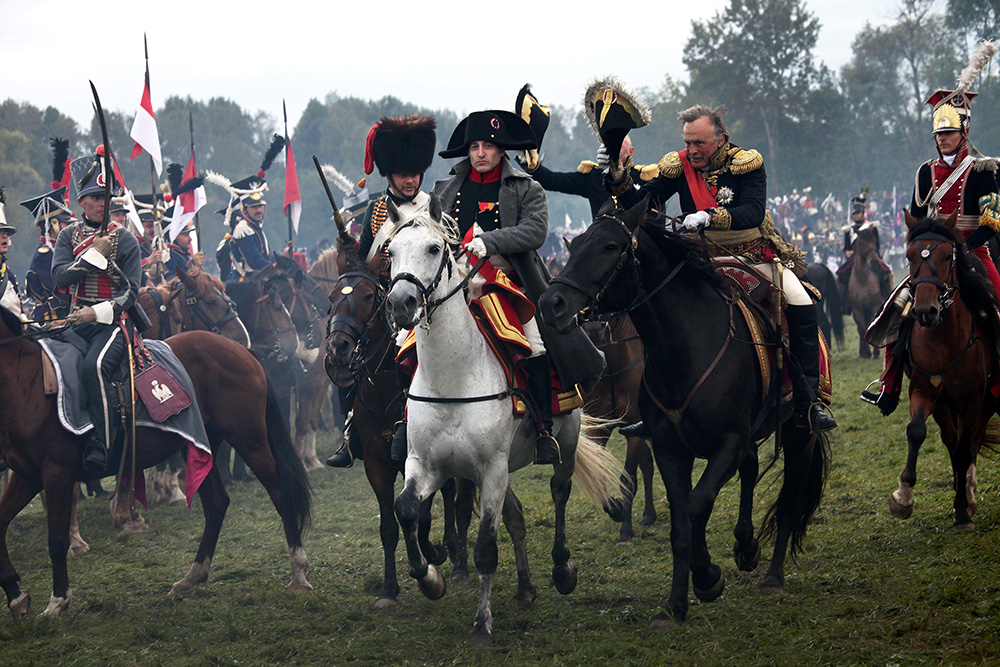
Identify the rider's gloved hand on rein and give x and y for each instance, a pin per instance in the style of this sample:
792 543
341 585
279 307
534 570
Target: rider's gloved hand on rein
102 244
477 247
695 221
85 315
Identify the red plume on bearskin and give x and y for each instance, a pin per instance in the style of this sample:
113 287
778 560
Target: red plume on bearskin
277 144
60 162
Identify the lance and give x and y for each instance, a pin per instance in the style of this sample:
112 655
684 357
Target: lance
108 173
197 226
341 227
291 231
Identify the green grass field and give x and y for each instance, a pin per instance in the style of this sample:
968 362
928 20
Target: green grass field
869 590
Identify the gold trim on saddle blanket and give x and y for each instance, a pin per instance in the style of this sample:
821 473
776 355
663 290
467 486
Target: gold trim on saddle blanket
752 244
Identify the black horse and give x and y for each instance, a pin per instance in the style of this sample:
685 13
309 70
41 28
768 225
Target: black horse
702 395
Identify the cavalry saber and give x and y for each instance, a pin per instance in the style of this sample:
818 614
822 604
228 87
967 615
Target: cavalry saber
107 160
337 218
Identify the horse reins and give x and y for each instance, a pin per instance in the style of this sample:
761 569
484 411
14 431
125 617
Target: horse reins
948 290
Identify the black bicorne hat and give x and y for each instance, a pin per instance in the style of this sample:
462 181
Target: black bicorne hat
532 112
503 128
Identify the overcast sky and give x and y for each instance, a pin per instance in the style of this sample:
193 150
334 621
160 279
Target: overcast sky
451 54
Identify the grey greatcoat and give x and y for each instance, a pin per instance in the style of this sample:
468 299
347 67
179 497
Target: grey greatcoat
524 226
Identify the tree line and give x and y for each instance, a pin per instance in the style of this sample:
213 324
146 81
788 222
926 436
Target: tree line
831 131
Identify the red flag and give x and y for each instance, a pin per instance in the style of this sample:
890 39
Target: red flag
144 130
293 200
187 203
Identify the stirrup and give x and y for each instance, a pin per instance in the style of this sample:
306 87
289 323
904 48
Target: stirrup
873 392
544 446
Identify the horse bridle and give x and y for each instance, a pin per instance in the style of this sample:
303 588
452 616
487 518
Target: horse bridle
215 326
626 258
347 323
948 289
273 350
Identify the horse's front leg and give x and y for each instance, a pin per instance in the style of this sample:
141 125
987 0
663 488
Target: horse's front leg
963 452
407 506
675 469
706 576
16 495
746 551
564 572
901 500
493 489
640 448
59 492
513 519
381 476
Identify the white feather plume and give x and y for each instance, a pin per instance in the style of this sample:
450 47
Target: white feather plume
980 58
343 183
218 179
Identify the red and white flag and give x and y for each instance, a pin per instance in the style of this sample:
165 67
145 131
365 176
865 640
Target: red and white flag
293 200
144 131
188 203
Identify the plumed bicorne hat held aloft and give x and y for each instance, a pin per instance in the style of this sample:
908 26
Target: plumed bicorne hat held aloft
536 116
612 110
503 128
250 190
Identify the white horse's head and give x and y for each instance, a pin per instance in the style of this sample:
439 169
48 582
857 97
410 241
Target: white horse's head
426 263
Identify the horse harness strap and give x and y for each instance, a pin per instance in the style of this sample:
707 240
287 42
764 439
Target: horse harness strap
507 393
675 416
935 378
947 289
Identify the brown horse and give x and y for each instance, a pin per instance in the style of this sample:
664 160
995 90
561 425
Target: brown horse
615 398
193 301
864 291
360 350
236 403
952 360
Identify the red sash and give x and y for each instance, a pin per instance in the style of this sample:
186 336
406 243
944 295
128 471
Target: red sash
704 197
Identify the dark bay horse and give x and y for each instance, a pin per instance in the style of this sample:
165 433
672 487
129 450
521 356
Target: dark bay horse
193 301
829 311
952 360
236 403
360 349
699 363
864 291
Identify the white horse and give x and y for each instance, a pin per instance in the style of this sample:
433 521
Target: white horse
459 417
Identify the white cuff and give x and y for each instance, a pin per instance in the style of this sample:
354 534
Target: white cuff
95 259
105 310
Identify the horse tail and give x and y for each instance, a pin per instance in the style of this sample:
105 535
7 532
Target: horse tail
807 464
597 469
296 493
834 308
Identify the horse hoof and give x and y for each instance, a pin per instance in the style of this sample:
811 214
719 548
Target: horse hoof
459 576
78 548
898 510
479 638
299 585
382 603
661 623
56 606
564 577
134 526
198 574
715 590
20 605
432 584
525 598
747 559
972 509
764 589
438 555
965 525
648 519
625 543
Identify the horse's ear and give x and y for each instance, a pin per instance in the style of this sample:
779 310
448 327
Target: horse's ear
434 208
952 219
638 213
566 242
910 220
394 215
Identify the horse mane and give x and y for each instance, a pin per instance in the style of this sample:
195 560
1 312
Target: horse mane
206 282
974 286
446 228
12 321
325 266
693 252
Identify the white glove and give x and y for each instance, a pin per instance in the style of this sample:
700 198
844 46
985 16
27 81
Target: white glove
695 221
603 160
477 247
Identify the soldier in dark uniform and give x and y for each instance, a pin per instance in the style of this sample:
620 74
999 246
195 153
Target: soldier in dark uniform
402 149
723 189
10 294
859 221
51 214
181 250
959 179
505 212
102 270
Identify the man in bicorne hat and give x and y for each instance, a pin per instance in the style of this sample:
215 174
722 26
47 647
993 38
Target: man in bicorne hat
502 215
102 268
402 149
723 190
958 179
51 214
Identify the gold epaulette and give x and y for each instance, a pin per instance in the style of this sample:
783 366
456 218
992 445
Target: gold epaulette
985 164
648 172
670 165
745 161
586 166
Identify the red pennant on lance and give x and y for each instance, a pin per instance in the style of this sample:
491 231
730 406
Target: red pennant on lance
293 200
703 197
144 130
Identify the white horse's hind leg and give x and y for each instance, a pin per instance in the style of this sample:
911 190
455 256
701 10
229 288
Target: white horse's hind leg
494 487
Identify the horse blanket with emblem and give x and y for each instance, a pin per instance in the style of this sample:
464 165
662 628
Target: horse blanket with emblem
67 358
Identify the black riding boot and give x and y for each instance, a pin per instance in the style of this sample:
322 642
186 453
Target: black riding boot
539 382
349 450
844 280
397 451
95 457
637 430
803 335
